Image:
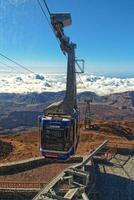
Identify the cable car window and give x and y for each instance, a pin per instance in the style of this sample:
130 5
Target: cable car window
54 133
57 139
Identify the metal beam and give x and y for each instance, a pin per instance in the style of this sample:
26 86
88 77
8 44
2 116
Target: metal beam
84 196
90 156
74 171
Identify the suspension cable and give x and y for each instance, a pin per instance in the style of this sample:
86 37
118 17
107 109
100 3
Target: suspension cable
16 63
82 81
43 11
47 7
10 67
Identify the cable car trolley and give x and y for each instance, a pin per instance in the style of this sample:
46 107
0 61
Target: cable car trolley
59 126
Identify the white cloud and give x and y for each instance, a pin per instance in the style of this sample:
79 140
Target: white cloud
57 82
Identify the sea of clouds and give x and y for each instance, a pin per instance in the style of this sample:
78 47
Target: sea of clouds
27 83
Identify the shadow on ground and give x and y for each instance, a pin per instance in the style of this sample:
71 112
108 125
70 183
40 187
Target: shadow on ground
112 187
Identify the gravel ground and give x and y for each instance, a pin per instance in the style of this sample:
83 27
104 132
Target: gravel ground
42 174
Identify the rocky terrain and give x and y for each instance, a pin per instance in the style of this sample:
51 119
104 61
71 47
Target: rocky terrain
22 110
114 118
112 176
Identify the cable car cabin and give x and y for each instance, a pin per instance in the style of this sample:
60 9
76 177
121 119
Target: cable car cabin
59 135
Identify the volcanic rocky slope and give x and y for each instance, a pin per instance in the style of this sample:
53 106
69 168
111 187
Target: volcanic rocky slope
17 110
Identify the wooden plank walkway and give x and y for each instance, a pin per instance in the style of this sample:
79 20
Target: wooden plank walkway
21 186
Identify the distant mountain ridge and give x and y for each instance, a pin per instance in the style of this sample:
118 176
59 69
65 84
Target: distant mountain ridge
117 99
22 110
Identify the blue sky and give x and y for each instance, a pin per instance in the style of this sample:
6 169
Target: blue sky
102 29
